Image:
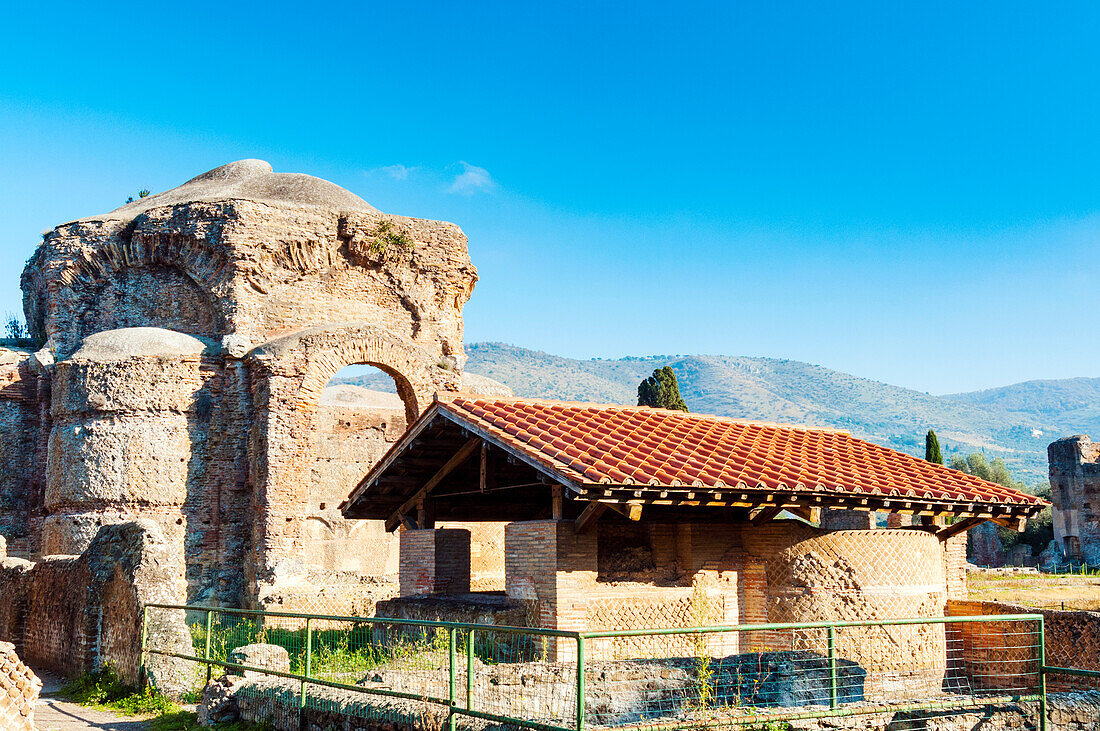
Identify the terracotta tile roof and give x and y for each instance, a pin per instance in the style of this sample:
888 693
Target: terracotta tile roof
593 445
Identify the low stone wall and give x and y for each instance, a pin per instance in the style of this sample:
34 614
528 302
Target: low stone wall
1072 641
275 702
71 614
19 688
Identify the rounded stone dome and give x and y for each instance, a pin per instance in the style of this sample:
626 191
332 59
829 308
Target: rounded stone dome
127 342
253 180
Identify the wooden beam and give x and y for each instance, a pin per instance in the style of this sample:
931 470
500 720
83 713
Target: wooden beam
959 526
765 515
588 517
484 466
630 511
555 501
811 514
1016 524
459 457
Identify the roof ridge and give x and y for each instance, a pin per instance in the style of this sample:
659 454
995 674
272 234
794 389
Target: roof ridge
451 397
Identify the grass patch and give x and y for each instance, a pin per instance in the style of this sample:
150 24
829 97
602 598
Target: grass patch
104 689
187 721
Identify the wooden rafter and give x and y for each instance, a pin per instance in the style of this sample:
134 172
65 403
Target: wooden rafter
766 514
457 459
588 517
960 526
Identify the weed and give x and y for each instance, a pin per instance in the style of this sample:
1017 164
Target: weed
105 689
385 237
187 721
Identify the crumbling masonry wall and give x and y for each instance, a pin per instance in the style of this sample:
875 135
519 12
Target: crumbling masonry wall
1075 486
184 342
71 614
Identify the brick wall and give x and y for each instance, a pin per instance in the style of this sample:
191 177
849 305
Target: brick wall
19 688
1072 641
71 614
435 561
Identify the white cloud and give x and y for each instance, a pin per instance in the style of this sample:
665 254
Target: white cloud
397 172
471 180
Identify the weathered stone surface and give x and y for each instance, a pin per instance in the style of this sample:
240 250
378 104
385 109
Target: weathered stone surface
218 704
70 614
1075 486
189 337
986 548
259 655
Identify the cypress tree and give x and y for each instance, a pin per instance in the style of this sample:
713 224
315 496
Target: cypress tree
661 391
932 451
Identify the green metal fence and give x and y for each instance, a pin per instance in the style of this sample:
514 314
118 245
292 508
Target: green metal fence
437 673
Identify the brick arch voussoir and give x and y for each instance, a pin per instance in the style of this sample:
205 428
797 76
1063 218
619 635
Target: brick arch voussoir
202 263
410 366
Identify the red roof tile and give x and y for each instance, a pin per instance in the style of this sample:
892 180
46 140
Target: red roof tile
591 444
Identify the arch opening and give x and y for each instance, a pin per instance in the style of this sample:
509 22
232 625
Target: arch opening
360 414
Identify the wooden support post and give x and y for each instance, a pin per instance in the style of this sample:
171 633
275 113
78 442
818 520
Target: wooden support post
484 466
556 502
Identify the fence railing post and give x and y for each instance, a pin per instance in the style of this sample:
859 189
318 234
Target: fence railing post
206 644
452 689
1042 675
309 661
142 672
580 682
832 668
470 669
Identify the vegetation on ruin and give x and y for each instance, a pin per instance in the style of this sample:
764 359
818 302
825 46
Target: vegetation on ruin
386 237
1039 531
661 391
15 328
103 688
189 721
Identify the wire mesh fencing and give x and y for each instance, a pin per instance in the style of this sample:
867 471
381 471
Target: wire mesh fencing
440 674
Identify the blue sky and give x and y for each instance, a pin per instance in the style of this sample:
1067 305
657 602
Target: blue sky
908 193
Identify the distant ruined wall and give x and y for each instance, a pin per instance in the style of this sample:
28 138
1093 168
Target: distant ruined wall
1075 485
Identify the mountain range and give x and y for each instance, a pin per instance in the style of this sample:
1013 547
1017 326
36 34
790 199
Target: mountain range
1014 422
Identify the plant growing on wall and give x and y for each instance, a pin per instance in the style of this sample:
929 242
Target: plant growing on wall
15 328
703 667
385 237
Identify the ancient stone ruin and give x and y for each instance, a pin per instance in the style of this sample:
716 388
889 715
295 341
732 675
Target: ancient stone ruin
181 347
1075 485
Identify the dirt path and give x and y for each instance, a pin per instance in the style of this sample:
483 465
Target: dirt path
54 714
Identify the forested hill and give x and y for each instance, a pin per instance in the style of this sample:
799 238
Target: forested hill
1015 422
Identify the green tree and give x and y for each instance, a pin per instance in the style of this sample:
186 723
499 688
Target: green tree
1040 529
661 391
14 327
932 451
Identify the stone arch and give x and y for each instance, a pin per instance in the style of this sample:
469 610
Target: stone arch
288 375
202 262
325 350
191 275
